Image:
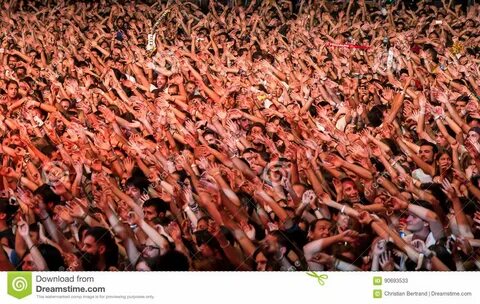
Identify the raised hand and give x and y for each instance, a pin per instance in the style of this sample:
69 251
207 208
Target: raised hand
308 197
75 209
64 214
23 228
173 229
133 218
129 164
214 228
476 219
448 189
386 261
334 160
379 248
143 198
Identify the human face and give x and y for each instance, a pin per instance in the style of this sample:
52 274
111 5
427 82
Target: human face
206 250
47 96
445 162
133 192
21 73
90 245
261 262
65 105
116 54
441 140
426 153
173 91
161 81
15 140
12 62
150 213
12 90
350 192
34 236
473 137
321 230
256 131
244 123
150 250
271 243
414 224
190 88
211 140
35 72
142 266
28 263
202 225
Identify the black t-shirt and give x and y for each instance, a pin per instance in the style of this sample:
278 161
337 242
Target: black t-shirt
296 236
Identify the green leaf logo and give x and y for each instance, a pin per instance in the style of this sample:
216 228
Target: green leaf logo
320 277
19 284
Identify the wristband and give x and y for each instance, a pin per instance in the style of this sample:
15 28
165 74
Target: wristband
420 261
335 264
44 219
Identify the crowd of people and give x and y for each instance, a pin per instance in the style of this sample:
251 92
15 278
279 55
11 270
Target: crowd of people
245 135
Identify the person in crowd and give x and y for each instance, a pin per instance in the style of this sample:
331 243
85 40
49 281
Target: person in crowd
239 135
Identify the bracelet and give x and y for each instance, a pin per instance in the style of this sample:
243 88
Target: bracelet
44 219
225 246
343 209
84 217
134 226
31 247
